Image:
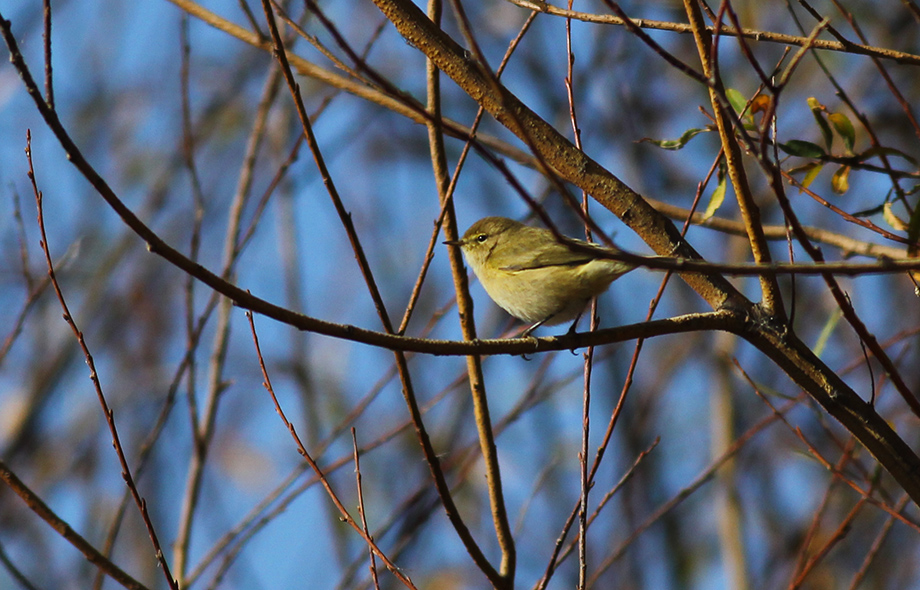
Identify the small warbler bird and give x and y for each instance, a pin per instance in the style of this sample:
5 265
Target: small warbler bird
532 274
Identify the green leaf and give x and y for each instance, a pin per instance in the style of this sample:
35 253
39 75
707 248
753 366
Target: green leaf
675 144
844 128
827 330
736 99
804 149
841 180
818 110
717 198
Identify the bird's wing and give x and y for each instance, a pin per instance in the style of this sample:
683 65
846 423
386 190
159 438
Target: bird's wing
520 257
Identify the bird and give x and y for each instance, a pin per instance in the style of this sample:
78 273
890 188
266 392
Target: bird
534 275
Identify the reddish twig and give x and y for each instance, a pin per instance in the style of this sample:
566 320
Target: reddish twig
585 482
346 517
361 513
558 555
94 377
407 389
877 544
780 414
832 541
706 475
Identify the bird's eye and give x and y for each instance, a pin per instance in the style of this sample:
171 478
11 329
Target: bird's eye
482 238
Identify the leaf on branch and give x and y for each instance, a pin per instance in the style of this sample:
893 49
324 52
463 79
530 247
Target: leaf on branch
840 182
813 169
675 144
718 196
737 100
818 110
844 128
869 212
892 219
760 104
803 149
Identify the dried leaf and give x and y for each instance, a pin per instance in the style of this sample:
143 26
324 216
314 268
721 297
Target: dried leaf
760 104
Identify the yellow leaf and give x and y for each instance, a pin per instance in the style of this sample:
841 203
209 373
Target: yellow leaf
841 180
760 104
892 219
814 169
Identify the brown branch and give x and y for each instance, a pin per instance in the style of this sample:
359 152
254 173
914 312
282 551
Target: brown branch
38 506
411 111
401 103
898 95
750 212
504 577
568 162
585 482
772 337
847 245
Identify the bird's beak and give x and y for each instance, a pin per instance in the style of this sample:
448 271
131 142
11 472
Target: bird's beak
453 242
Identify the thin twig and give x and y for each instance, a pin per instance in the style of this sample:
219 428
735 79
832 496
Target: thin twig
216 385
753 34
407 388
589 353
842 476
706 475
873 550
361 511
346 517
94 377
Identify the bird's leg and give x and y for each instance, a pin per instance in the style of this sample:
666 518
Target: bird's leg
526 333
575 323
571 330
